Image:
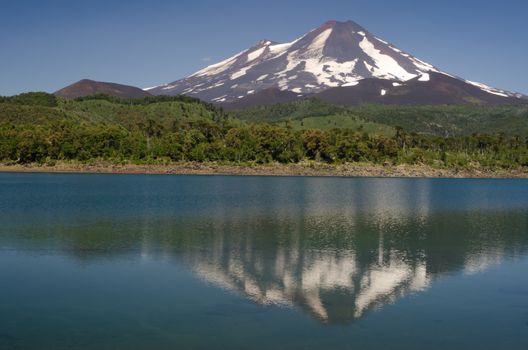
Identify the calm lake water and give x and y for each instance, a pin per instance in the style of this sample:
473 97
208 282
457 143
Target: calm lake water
203 262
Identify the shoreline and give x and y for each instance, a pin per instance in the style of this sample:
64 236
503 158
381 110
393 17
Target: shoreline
301 169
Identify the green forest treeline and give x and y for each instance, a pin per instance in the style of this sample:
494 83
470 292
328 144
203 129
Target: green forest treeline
38 127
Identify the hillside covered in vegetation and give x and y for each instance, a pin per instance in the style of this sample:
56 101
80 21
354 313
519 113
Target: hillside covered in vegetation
43 128
439 120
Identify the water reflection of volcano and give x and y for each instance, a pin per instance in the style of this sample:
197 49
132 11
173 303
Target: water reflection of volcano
334 248
338 269
331 288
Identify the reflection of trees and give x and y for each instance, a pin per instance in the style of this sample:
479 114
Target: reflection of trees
336 259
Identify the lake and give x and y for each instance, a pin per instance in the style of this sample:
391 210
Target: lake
224 262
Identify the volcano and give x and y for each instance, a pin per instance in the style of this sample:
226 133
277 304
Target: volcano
335 55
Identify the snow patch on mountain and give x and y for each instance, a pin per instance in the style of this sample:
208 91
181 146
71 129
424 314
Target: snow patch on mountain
218 67
490 89
317 46
280 48
240 73
385 66
256 54
424 77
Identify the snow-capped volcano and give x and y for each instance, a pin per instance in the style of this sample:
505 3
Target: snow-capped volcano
336 54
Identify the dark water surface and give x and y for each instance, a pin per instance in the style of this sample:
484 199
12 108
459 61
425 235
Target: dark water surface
200 262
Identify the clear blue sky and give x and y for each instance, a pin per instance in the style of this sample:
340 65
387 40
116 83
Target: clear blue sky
46 45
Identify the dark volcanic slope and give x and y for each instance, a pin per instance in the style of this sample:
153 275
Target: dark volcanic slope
366 91
264 97
435 89
430 89
88 87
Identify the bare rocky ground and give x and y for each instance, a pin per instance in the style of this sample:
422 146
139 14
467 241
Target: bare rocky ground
301 169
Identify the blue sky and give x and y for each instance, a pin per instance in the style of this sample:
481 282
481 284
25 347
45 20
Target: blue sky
45 45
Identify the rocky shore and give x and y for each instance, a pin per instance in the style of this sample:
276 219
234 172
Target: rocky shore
301 169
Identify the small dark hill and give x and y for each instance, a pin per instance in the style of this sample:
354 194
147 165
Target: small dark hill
88 87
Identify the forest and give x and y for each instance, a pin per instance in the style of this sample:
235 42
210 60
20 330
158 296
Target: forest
42 128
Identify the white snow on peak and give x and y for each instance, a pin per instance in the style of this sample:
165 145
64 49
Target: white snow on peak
280 48
424 77
262 77
423 66
383 41
250 62
168 87
220 98
318 44
326 70
256 54
218 67
488 89
220 83
242 71
383 92
385 66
